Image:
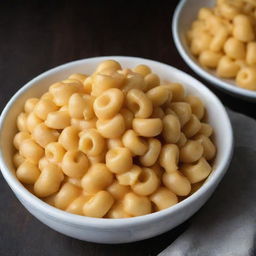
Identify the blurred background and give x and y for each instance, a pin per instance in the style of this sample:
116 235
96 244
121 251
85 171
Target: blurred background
39 35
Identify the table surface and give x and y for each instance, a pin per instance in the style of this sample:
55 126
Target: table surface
39 35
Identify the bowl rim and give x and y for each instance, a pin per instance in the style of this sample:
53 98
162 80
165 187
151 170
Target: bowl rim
214 80
79 221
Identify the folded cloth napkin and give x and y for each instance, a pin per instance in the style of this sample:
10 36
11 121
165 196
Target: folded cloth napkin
226 225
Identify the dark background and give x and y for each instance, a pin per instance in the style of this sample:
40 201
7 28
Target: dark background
38 35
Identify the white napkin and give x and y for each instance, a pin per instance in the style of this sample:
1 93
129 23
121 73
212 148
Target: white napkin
226 225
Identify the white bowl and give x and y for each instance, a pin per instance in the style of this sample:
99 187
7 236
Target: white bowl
185 13
115 230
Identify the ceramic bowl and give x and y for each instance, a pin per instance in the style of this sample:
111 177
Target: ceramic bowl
185 13
114 230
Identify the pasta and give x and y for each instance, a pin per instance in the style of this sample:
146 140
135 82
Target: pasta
147 182
119 160
98 205
223 38
97 178
130 177
164 198
81 106
147 127
136 205
139 103
152 154
108 104
49 181
118 143
74 164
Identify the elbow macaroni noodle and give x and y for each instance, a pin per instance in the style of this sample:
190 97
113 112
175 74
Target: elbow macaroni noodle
119 143
223 37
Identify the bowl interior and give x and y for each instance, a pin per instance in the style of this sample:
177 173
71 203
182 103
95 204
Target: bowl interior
216 113
181 25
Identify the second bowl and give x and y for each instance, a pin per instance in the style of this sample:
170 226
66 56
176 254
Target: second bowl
185 13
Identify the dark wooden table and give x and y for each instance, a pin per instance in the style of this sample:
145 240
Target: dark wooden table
38 35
